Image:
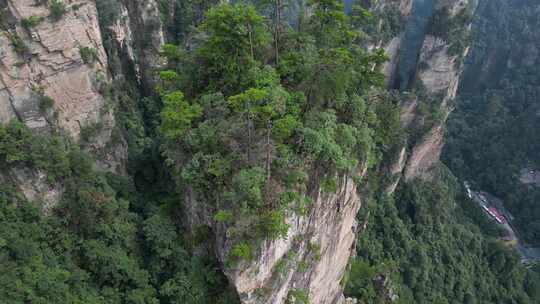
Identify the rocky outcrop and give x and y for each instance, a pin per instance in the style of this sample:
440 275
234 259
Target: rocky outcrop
395 170
311 260
437 71
133 36
138 33
53 69
56 68
44 57
425 154
35 187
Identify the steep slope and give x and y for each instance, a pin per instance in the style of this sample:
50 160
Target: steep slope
426 42
310 260
53 73
278 270
42 57
272 159
280 209
413 248
57 72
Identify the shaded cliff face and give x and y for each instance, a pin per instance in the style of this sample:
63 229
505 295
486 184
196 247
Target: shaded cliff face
425 57
52 71
136 36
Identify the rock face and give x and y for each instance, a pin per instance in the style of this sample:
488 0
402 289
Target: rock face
437 70
311 260
71 58
138 35
440 72
34 186
55 70
45 59
425 154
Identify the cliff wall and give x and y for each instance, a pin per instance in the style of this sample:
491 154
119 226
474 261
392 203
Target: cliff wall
429 69
57 67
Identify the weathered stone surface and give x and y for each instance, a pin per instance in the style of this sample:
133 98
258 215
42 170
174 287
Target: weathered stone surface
324 239
425 154
48 62
395 170
140 30
35 187
390 67
405 7
440 73
54 64
454 6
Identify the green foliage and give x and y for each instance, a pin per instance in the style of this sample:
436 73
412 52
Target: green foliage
57 9
249 132
329 184
15 141
248 188
492 135
361 280
19 146
177 115
88 55
223 216
20 47
273 225
237 36
108 12
179 16
240 252
285 127
324 143
92 248
452 29
297 296
315 251
45 102
431 252
31 22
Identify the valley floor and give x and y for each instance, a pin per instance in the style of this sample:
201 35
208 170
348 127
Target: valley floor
488 201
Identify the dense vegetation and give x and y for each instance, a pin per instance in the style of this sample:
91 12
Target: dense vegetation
425 246
429 243
493 134
253 106
96 246
260 110
256 106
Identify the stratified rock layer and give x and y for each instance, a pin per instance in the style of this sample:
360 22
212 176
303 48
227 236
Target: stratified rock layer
48 60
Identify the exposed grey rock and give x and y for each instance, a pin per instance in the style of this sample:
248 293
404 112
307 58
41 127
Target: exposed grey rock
439 72
54 64
49 61
324 238
35 187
